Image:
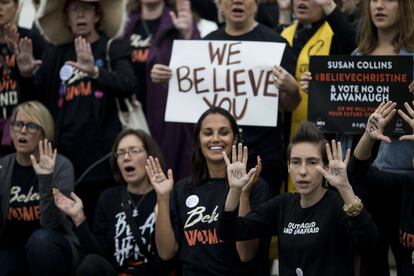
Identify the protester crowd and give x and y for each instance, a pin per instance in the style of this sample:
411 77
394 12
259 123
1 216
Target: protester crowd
83 193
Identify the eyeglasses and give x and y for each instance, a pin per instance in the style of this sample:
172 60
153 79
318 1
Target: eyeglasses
80 7
31 128
132 152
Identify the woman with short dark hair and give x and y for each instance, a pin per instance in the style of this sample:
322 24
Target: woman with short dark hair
123 229
318 228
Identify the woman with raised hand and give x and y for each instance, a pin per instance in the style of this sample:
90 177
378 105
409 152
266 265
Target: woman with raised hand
35 237
188 211
10 90
387 29
317 227
121 239
394 187
266 142
152 27
78 79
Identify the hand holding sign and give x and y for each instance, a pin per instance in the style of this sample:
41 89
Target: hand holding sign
161 73
283 80
379 119
409 119
305 78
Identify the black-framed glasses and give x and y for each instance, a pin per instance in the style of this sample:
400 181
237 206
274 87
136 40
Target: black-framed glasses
132 152
31 128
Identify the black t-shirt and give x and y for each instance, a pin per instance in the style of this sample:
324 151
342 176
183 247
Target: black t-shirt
140 42
81 101
194 215
112 230
315 241
263 141
10 95
9 87
23 215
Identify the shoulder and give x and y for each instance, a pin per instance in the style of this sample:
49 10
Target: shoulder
269 33
261 188
217 34
23 32
118 48
6 165
111 194
8 159
63 163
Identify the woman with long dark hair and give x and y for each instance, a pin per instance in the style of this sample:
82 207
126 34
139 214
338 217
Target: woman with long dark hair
189 211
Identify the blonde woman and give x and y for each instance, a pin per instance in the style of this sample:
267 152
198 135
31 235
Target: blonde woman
35 236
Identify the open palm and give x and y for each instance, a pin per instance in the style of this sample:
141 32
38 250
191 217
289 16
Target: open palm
236 170
379 119
162 185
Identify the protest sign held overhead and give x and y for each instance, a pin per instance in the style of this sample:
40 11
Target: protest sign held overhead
234 75
345 90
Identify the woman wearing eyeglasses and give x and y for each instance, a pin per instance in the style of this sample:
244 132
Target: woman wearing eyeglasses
35 237
121 238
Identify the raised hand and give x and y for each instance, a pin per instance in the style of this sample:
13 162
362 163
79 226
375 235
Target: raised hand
411 87
47 158
336 173
162 185
253 180
73 207
409 119
236 170
11 36
284 4
183 20
379 119
161 73
327 5
305 78
85 61
24 57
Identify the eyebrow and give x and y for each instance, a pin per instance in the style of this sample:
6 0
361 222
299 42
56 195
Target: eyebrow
307 158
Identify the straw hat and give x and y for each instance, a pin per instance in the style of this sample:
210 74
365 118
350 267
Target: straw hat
52 21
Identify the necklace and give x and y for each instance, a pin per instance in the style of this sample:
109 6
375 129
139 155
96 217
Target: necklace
135 206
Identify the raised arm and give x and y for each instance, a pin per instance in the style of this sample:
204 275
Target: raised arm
167 245
241 185
374 130
357 222
336 173
26 63
51 171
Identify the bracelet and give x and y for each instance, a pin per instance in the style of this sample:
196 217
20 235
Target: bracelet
355 208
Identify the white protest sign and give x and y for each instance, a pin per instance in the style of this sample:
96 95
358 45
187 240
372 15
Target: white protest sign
235 75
